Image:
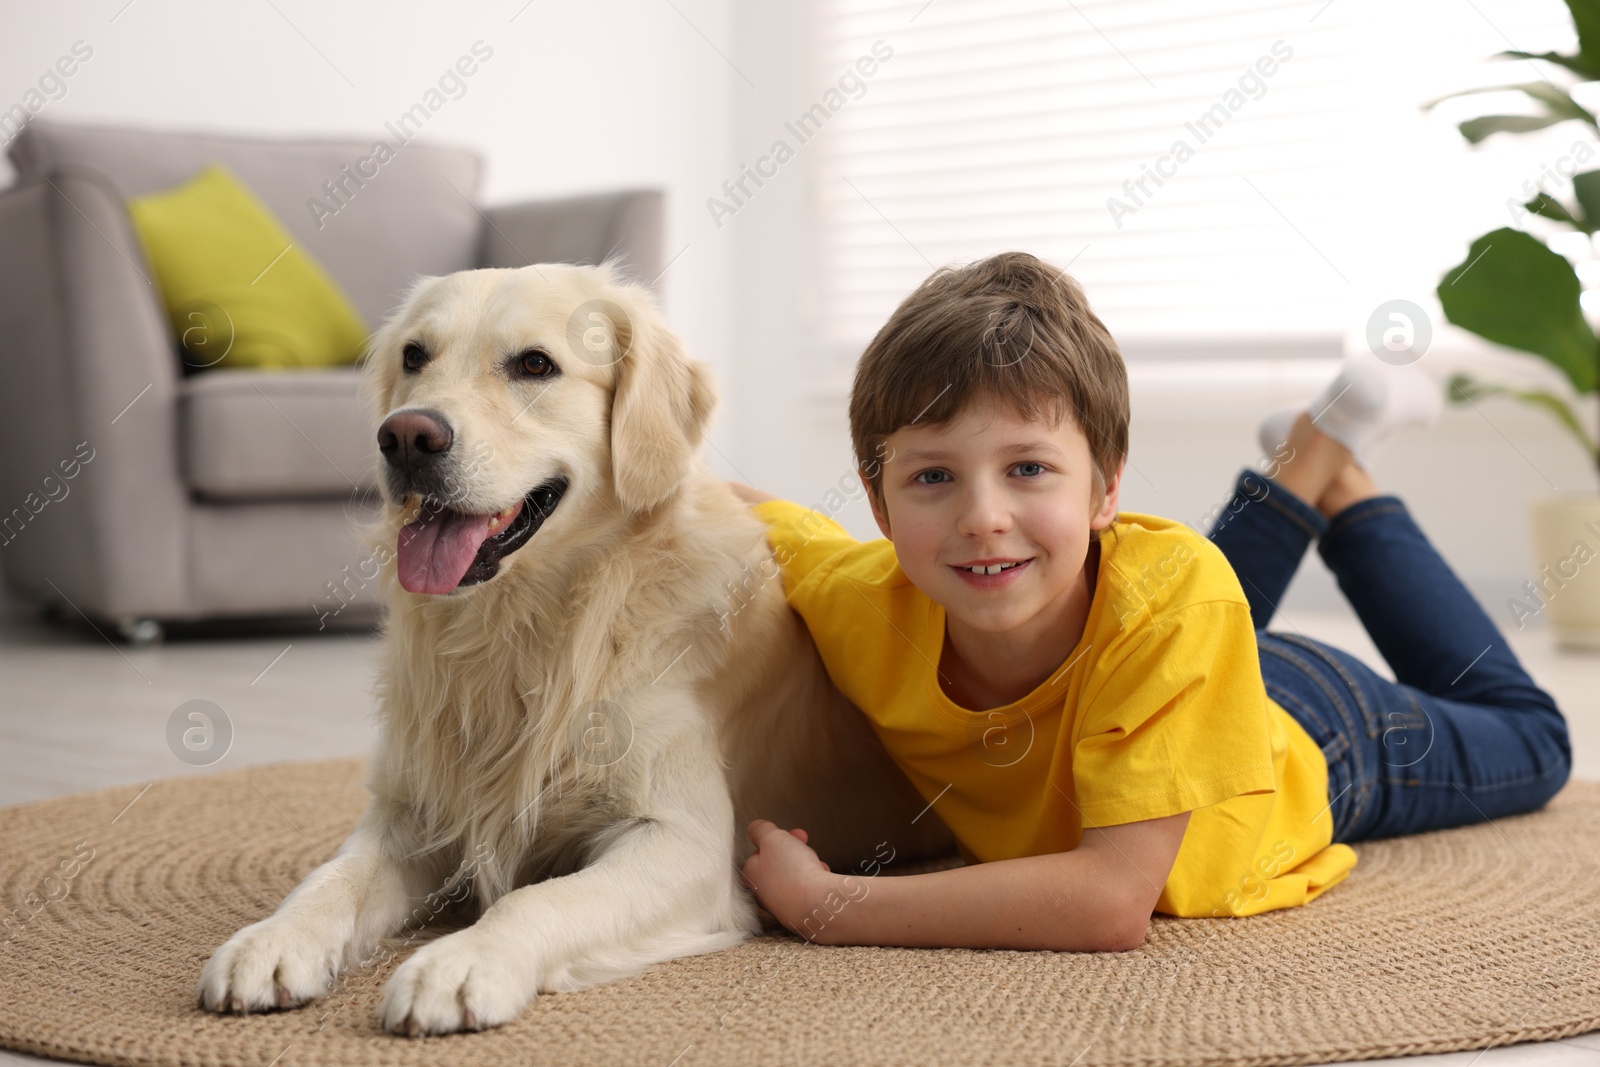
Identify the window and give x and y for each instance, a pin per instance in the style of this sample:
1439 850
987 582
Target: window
1241 176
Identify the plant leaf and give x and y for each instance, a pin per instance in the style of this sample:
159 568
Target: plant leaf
1475 130
1586 187
1577 64
1549 207
1514 291
1553 97
1557 99
1464 387
1586 19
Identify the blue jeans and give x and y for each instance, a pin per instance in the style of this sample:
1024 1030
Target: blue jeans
1461 736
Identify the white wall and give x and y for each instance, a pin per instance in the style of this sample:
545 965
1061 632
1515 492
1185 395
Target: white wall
576 98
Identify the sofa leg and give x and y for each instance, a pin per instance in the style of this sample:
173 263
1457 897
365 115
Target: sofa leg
140 633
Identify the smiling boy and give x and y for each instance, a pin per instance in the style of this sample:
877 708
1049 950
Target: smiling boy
1074 690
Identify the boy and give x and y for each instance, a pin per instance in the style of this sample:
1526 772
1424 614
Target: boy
1075 692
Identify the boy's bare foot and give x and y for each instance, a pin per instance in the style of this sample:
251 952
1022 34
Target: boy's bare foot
1350 485
1321 471
1314 461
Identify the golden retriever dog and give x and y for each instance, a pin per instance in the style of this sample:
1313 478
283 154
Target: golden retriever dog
591 680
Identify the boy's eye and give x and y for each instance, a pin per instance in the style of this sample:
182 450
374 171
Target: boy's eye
939 477
1036 468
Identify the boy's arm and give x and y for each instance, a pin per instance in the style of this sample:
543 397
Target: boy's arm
1095 898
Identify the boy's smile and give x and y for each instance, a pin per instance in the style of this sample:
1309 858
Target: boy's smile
998 573
988 492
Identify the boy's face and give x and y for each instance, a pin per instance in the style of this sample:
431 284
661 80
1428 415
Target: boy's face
988 487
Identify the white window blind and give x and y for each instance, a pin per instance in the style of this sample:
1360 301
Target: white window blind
1299 186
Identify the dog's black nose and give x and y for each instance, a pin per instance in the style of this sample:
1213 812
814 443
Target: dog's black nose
411 440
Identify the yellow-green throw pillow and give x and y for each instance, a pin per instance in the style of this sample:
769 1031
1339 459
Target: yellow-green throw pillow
239 292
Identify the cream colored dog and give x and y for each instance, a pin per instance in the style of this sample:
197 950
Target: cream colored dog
591 679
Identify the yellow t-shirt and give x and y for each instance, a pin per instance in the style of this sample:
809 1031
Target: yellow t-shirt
1160 709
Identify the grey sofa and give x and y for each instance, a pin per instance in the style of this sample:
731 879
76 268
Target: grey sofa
135 494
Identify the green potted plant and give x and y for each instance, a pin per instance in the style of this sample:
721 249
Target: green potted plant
1514 290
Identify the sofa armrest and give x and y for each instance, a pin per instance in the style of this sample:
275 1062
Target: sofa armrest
628 226
90 388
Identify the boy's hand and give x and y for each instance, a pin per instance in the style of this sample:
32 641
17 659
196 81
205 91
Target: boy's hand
787 877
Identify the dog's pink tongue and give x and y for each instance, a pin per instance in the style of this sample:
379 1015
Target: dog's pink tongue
437 549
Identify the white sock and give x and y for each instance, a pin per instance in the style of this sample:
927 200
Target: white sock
1366 402
1274 431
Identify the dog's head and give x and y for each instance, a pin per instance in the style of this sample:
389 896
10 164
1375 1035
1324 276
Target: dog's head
516 404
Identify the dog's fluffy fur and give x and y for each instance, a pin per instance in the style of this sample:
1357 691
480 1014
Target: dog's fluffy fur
578 741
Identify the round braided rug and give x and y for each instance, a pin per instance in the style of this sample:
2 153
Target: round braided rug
1459 939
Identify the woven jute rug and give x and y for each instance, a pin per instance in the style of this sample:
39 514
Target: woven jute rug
1459 939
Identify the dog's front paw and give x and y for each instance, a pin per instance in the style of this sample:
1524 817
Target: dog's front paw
278 962
459 982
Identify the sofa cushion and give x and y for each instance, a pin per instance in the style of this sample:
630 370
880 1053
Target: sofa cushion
262 435
232 279
374 225
284 557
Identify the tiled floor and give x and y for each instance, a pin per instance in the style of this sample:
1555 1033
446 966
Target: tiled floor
81 714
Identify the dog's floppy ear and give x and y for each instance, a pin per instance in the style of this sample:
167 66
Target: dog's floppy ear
659 408
379 359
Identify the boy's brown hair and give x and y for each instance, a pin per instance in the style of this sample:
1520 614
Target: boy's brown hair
1012 329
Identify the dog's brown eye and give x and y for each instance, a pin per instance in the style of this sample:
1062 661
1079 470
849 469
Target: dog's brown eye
413 356
535 363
